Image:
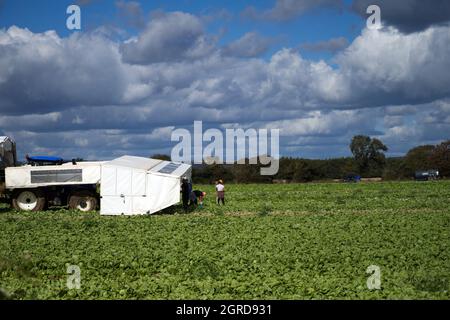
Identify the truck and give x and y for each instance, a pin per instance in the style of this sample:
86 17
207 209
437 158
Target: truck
426 175
127 185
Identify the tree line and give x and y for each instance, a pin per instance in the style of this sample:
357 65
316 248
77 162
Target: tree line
368 161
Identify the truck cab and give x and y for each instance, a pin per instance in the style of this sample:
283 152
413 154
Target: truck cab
8 158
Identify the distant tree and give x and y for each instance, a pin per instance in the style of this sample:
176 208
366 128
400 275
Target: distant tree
368 154
287 168
395 169
220 171
211 173
303 172
349 166
440 158
419 158
369 160
360 150
246 173
161 157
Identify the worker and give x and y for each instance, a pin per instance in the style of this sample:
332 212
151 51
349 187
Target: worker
192 198
199 196
185 193
220 189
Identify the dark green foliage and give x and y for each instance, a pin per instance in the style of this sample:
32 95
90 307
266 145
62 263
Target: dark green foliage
164 157
369 155
440 158
395 169
295 241
419 158
373 164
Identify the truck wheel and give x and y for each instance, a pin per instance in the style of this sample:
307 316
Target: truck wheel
29 200
83 201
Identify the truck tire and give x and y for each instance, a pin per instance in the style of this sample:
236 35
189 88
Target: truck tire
83 201
29 200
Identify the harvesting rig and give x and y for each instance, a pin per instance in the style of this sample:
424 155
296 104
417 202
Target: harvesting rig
126 185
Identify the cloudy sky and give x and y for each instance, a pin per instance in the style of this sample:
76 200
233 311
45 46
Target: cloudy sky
137 70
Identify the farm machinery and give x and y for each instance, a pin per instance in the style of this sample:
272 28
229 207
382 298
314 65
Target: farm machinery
127 185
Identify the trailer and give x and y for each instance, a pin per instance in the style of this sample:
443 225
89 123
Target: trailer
35 188
133 185
124 186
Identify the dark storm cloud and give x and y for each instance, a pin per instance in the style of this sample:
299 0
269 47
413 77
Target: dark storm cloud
408 15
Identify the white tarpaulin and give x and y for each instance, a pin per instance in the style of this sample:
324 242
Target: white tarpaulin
135 185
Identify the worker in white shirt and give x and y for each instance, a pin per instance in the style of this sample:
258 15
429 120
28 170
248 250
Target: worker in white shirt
220 189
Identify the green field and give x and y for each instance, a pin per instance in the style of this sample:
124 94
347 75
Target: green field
305 241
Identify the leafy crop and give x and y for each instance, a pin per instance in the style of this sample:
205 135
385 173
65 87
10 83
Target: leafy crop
308 241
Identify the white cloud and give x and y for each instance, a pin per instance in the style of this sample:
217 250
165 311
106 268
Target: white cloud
168 37
42 73
250 44
331 45
85 87
318 123
387 67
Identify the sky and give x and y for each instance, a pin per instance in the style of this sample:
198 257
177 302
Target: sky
137 70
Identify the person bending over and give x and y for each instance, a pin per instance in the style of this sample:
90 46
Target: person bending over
199 196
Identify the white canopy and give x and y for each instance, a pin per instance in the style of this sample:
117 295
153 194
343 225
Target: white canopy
172 169
134 185
134 162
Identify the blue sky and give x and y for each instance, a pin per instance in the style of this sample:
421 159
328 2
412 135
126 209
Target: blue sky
139 69
226 20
